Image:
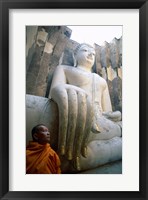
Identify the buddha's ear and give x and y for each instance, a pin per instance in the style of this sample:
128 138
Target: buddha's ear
74 60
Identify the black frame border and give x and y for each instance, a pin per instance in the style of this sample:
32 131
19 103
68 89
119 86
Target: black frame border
5 5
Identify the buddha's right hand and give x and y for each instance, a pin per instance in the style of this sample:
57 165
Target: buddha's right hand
75 120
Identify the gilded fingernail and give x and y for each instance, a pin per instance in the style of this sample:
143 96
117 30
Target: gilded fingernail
69 155
85 152
78 163
62 150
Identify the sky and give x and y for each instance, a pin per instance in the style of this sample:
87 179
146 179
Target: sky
95 34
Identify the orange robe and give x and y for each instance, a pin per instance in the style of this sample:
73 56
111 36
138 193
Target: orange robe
41 159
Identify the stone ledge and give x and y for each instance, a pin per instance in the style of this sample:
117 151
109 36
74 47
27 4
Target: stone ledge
110 168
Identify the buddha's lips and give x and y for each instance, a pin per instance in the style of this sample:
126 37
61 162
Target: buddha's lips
90 58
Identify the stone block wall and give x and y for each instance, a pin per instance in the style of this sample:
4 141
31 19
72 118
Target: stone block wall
47 49
49 46
109 65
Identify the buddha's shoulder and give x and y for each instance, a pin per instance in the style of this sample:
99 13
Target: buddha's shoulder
97 76
100 80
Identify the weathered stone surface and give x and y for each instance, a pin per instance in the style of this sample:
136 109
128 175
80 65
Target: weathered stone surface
105 55
31 34
58 38
50 43
111 92
117 93
41 38
120 51
68 57
120 73
41 81
98 66
115 89
110 168
111 73
104 73
33 71
114 53
48 48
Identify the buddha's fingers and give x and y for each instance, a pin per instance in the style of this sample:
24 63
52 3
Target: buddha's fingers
81 120
72 119
60 96
87 129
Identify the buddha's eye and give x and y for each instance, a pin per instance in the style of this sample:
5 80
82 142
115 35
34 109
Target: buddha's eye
85 50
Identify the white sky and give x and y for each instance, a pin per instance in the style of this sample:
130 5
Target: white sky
95 34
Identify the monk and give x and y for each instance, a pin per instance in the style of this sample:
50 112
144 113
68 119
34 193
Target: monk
40 157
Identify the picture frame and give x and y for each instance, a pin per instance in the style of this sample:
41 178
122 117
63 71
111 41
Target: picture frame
5 99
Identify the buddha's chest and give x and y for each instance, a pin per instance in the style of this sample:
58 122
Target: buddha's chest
79 78
87 81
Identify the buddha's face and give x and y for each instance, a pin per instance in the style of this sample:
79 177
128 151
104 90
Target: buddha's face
85 56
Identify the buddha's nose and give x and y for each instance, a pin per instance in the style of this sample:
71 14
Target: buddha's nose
90 53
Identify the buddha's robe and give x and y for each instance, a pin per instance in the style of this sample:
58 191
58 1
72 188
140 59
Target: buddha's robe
41 159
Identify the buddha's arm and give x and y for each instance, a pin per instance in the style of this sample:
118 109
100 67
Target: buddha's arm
106 102
107 108
58 78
